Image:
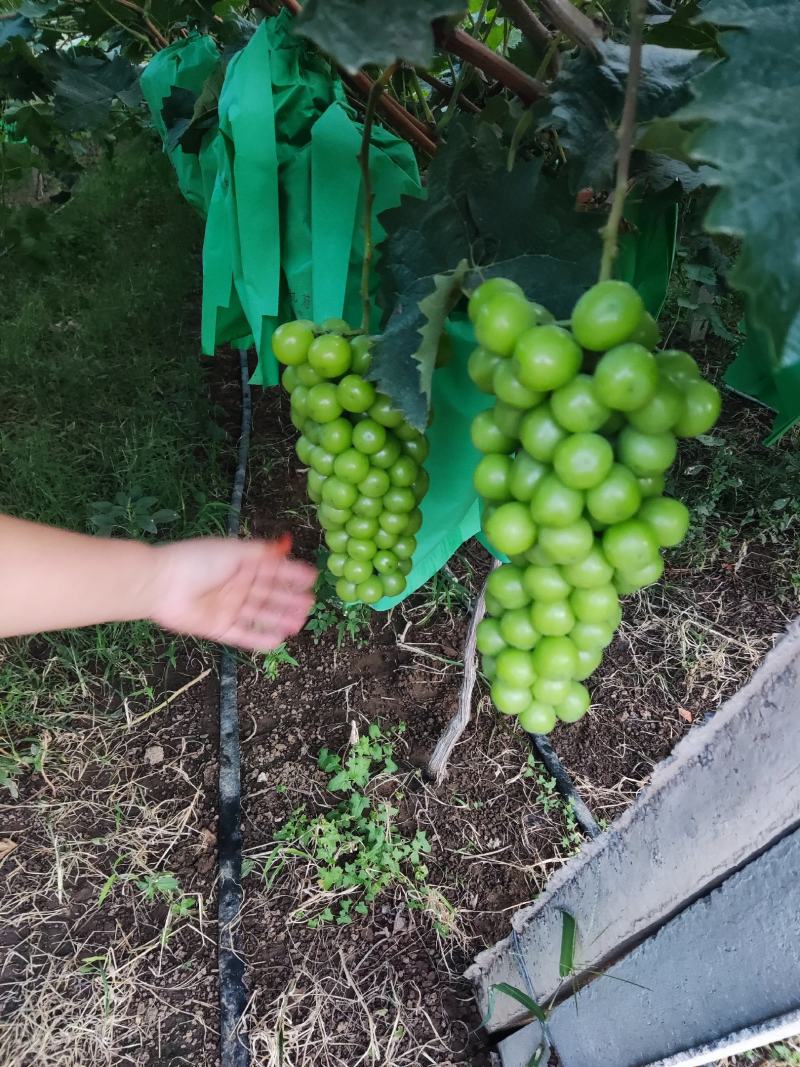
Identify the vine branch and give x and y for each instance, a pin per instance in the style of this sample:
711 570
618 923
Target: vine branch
572 22
496 66
399 117
152 29
526 21
402 119
375 94
446 91
625 137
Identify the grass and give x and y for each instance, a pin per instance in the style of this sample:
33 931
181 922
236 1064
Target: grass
106 421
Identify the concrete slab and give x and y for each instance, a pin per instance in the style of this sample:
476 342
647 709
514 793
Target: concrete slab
730 961
730 789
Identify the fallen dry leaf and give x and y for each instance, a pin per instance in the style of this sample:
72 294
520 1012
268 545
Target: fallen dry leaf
7 846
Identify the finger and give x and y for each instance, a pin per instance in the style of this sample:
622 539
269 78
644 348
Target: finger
269 620
252 640
286 599
288 573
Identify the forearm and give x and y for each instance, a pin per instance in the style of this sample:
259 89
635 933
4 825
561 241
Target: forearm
51 579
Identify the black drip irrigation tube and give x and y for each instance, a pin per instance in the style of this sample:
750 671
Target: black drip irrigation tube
234 1044
564 784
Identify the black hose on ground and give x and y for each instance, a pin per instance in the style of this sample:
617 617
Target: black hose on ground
234 1044
584 818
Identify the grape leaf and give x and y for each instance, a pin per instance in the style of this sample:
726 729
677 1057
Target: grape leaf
87 87
481 218
748 106
585 104
15 25
431 235
358 32
404 356
684 28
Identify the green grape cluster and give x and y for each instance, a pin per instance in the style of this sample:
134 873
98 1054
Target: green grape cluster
365 462
575 449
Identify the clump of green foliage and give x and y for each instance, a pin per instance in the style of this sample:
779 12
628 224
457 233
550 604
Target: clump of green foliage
354 851
347 621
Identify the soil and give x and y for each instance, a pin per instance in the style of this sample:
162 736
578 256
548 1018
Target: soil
387 988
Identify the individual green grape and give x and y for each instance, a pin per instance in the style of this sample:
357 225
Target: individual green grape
486 291
361 355
371 590
507 387
511 529
492 476
567 544
336 563
487 436
481 367
502 320
537 718
546 357
526 473
357 570
515 667
646 453
488 638
393 584
505 586
291 342
546 584
575 704
385 561
626 377
330 355
606 315
575 406
510 699
346 591
517 629
508 418
553 619
555 504
382 411
369 437
668 518
388 455
539 433
355 393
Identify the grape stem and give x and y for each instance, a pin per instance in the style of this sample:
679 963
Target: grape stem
375 93
625 137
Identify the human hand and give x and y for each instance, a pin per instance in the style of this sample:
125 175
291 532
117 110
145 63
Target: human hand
244 593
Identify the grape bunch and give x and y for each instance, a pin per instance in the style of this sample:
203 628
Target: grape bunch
364 460
575 449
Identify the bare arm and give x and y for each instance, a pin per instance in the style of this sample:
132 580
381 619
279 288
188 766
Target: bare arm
245 593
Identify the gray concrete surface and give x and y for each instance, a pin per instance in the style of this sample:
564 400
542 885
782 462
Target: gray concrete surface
729 790
721 977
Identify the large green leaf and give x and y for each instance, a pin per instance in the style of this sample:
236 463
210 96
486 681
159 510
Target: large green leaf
585 104
481 218
22 75
749 105
683 28
87 87
358 32
15 25
404 356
